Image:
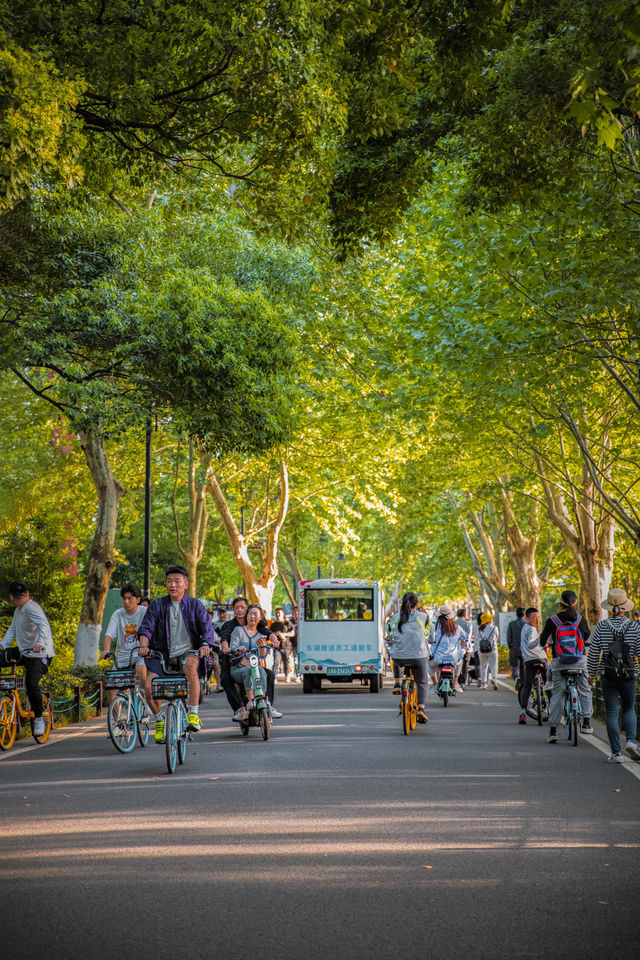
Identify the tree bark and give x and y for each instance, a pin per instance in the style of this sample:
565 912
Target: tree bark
193 549
101 560
259 587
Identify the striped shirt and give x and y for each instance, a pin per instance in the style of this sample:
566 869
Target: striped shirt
603 636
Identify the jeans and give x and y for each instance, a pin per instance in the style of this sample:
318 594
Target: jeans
34 670
242 675
615 692
559 683
420 675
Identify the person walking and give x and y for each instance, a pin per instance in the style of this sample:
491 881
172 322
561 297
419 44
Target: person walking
514 635
615 649
567 617
487 649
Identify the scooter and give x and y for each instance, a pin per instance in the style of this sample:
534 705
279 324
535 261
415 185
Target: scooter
446 683
260 714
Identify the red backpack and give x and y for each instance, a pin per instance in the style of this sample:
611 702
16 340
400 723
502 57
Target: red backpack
569 642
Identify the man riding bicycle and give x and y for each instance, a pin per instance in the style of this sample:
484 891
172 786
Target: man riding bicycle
177 627
34 651
532 655
567 621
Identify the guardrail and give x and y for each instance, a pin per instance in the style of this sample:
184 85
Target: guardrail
78 702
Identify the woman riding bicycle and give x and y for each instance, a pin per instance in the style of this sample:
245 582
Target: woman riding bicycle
245 641
448 642
408 646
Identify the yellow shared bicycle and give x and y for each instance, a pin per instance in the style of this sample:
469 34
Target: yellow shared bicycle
13 715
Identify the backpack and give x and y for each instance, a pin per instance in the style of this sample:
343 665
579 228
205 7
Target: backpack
486 643
569 642
617 661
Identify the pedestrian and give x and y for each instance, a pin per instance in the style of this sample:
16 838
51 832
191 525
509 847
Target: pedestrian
574 632
532 654
487 649
34 651
514 632
615 649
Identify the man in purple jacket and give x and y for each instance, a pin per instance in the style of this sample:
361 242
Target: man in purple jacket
178 627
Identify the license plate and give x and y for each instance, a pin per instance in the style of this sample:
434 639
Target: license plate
339 671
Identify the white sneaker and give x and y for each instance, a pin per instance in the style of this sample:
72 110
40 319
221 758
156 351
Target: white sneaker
633 750
39 728
615 758
239 714
276 713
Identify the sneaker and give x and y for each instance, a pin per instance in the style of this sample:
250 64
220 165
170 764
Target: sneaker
615 758
548 687
193 722
159 734
522 718
633 750
552 738
421 716
240 714
276 713
397 688
219 689
39 728
586 726
494 685
458 688
250 704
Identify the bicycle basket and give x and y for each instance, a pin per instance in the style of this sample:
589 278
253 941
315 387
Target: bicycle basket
11 683
119 680
169 689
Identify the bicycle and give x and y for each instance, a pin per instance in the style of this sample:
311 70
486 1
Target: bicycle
174 688
408 701
538 704
128 715
446 683
572 710
13 714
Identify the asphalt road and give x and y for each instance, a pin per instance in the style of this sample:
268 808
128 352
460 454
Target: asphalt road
338 838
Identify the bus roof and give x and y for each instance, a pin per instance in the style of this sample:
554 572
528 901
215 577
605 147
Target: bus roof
329 582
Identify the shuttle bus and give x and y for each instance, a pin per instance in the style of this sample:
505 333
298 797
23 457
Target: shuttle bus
341 633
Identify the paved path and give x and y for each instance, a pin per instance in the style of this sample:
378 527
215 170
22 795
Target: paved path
339 838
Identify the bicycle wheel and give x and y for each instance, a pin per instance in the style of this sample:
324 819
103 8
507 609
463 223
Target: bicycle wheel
182 732
538 696
8 724
405 709
47 716
414 704
122 723
171 736
264 723
575 723
143 719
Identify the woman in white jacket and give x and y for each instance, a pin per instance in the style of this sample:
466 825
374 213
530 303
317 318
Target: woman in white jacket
448 642
486 646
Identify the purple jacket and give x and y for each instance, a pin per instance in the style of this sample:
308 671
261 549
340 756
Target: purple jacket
155 625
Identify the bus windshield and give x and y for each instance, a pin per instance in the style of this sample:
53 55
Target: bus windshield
348 603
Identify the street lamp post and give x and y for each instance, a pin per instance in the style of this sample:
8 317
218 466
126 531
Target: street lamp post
146 579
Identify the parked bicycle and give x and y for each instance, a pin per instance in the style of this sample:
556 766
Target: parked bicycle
14 715
128 715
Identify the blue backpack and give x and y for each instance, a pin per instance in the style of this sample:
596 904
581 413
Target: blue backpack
569 642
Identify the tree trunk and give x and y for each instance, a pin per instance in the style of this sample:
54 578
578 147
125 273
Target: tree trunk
259 588
101 554
527 587
193 549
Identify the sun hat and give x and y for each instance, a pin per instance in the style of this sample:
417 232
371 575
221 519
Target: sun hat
617 599
485 618
446 611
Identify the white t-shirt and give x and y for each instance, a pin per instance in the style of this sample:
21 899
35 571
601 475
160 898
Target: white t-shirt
123 628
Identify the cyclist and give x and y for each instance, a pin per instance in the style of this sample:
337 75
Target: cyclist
34 646
408 644
245 639
567 616
123 631
240 607
618 671
531 653
179 628
449 643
